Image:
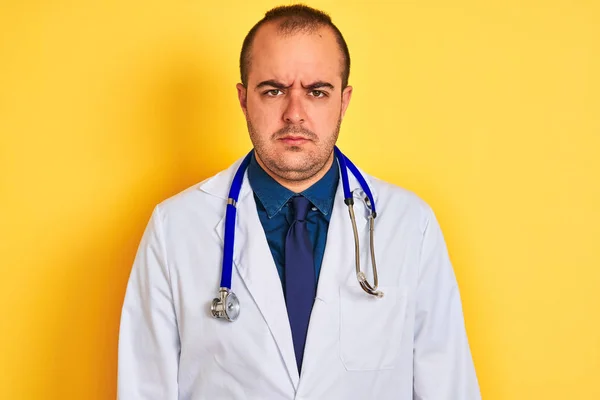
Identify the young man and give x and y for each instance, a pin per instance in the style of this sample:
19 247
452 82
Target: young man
306 328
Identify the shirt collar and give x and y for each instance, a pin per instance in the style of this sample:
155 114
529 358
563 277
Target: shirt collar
322 193
273 196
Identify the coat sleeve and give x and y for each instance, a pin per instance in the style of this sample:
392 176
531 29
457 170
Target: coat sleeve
443 366
148 339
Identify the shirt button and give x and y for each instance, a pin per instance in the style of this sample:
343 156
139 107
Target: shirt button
314 208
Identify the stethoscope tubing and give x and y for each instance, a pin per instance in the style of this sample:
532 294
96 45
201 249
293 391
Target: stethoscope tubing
234 192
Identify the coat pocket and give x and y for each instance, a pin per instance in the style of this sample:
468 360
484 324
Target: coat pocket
370 328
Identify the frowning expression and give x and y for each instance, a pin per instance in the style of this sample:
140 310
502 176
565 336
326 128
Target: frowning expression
294 101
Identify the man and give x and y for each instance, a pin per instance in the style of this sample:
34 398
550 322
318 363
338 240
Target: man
306 328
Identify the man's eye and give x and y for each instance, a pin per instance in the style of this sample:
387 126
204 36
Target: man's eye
317 93
273 92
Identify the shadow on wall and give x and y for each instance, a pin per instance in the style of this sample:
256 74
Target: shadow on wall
172 126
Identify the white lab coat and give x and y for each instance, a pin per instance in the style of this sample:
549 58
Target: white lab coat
410 344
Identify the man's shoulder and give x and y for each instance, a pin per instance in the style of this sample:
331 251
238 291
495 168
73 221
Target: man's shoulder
400 200
207 195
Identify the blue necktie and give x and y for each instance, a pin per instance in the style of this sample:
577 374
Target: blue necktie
299 276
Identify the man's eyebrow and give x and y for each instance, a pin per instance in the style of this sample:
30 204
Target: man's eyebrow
272 83
318 85
279 85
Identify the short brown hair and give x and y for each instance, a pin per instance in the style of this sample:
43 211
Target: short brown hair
293 19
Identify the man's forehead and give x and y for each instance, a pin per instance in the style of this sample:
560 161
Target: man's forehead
274 28
269 39
303 56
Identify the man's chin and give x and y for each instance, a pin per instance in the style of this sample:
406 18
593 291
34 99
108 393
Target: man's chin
294 168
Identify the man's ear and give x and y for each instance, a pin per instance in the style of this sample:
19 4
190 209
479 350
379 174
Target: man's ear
242 97
346 95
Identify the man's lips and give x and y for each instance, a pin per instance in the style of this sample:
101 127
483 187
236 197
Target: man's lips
294 139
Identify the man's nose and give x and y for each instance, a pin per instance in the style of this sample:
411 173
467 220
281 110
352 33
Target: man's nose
294 112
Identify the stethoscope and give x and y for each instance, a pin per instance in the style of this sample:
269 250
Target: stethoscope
227 305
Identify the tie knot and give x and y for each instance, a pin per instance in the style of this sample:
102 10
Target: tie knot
301 205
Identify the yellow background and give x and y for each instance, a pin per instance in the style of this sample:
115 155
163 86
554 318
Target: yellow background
490 111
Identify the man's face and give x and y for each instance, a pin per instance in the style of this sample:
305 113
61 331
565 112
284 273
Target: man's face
293 101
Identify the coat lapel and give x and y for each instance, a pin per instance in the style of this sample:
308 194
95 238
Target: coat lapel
339 251
256 267
337 269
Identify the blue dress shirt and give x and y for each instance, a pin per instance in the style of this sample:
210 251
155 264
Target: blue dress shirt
272 203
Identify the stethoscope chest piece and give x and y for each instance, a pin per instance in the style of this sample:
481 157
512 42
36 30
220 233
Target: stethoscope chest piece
226 306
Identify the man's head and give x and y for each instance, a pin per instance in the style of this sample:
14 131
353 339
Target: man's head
294 67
